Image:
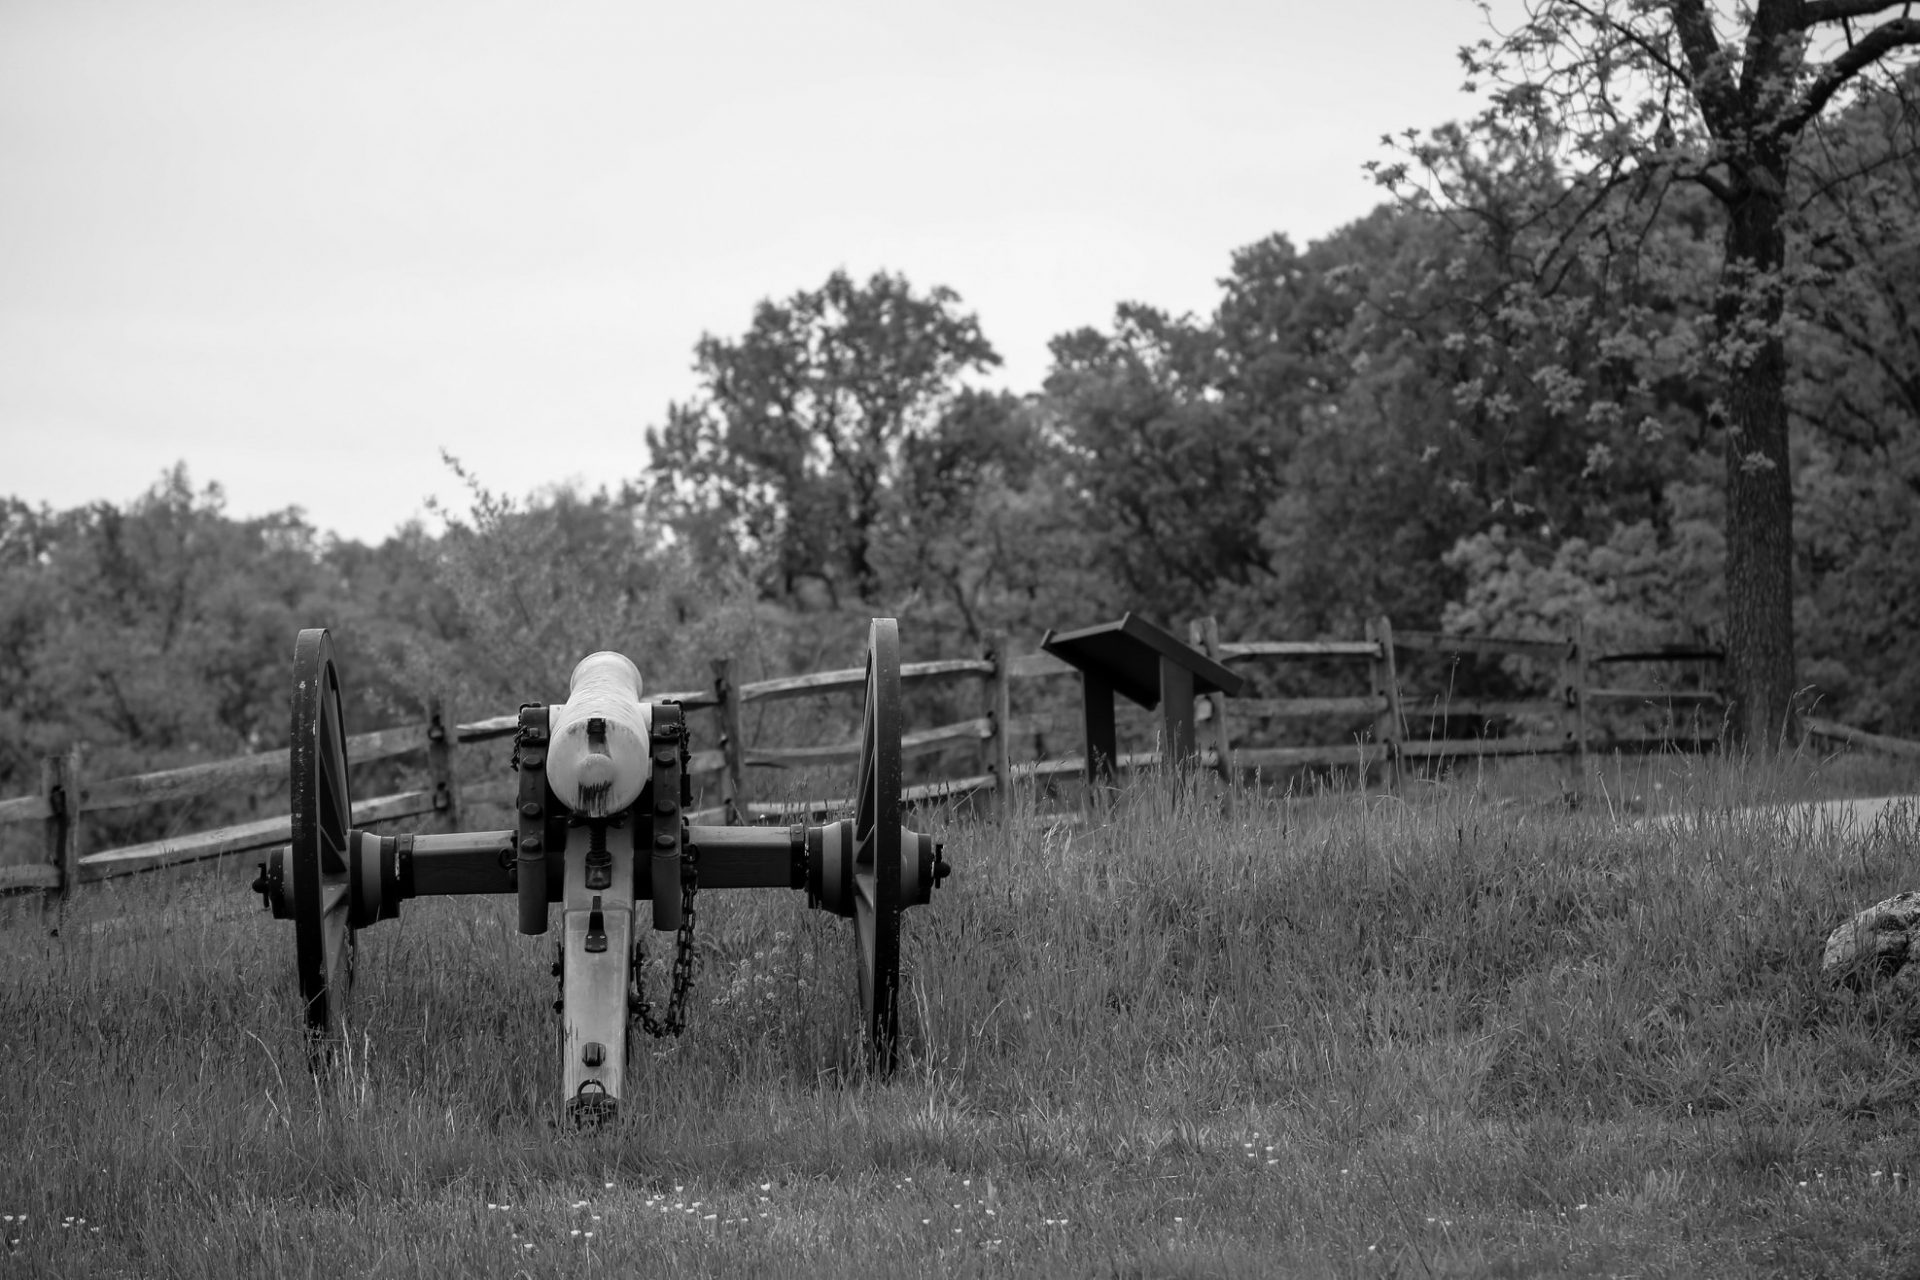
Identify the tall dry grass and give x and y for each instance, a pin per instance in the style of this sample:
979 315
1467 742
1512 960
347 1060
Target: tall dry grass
1464 1030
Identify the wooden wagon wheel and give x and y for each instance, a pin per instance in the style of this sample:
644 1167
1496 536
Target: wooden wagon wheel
322 826
876 847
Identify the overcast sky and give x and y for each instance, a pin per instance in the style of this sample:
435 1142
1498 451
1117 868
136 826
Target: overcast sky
305 247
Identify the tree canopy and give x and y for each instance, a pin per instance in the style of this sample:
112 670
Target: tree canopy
1604 108
1636 346
795 447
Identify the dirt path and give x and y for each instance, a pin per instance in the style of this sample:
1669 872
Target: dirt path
1849 819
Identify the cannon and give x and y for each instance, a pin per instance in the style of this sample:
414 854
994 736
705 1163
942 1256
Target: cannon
601 825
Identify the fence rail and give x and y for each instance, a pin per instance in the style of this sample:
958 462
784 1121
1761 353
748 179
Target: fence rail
1837 732
1384 741
1441 642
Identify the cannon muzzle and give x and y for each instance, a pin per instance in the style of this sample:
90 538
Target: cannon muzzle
598 759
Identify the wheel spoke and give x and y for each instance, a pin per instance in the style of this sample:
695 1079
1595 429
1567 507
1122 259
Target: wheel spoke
331 800
865 942
327 748
863 793
333 787
333 852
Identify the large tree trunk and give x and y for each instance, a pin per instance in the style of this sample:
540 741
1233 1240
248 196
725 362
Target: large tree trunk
1759 483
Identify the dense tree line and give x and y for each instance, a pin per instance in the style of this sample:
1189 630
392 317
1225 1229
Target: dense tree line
1497 411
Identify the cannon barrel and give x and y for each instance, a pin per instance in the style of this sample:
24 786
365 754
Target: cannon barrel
597 750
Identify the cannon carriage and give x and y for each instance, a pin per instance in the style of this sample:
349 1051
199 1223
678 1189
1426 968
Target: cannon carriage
601 826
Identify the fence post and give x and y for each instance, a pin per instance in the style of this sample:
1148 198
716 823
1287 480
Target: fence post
733 785
442 739
60 788
1573 681
998 747
1204 634
1384 677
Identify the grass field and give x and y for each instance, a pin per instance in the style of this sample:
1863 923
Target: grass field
1456 1032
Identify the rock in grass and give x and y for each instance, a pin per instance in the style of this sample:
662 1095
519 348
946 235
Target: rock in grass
1879 946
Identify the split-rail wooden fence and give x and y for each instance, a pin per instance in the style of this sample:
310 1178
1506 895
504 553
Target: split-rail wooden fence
1562 724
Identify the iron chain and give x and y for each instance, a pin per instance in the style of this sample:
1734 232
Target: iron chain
676 1019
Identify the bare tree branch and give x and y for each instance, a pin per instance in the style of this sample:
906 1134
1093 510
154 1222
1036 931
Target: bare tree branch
1625 31
1829 80
1814 12
1840 178
1715 187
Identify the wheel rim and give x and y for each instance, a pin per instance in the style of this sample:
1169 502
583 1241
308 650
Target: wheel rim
322 834
876 844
